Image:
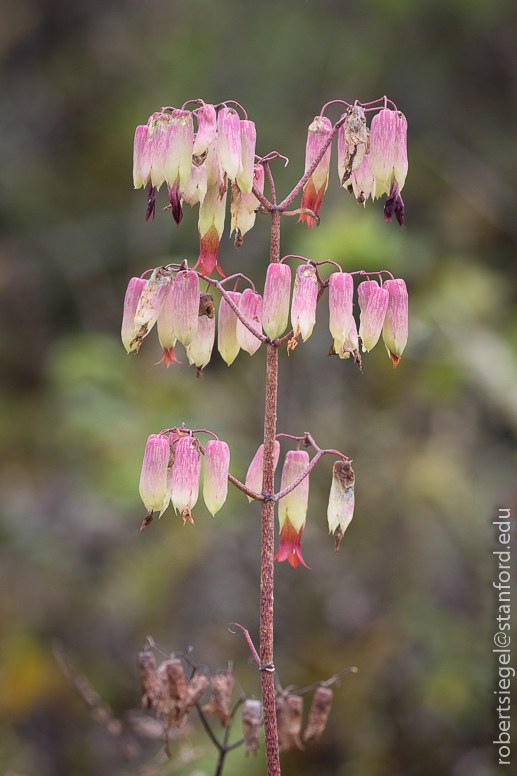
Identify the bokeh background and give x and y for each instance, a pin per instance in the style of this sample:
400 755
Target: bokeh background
409 598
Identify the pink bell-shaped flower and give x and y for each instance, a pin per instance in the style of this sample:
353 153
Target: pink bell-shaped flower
131 301
242 221
373 302
153 478
250 201
248 143
185 301
341 293
207 129
138 151
351 344
160 143
275 305
195 188
305 298
394 204
178 157
292 509
185 476
341 500
382 148
395 329
227 342
250 306
316 186
211 226
165 328
215 482
255 474
229 147
150 303
199 350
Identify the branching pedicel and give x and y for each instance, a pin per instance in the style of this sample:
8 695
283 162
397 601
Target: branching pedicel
200 167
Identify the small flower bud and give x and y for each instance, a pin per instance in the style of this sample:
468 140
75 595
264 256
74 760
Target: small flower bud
275 305
251 722
250 201
229 147
185 476
292 508
178 156
341 293
222 686
289 715
131 302
153 478
248 142
250 306
318 714
185 301
215 483
227 342
316 186
395 329
382 147
373 302
305 298
199 350
341 500
255 473
207 129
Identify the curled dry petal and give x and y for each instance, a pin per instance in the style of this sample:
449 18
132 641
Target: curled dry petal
318 714
275 305
341 500
217 467
250 306
131 301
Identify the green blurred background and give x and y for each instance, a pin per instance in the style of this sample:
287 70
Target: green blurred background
409 598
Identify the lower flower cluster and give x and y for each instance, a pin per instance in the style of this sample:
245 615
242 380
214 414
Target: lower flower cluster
171 299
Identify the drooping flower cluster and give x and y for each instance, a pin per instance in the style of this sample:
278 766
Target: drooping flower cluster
197 168
171 472
171 298
371 161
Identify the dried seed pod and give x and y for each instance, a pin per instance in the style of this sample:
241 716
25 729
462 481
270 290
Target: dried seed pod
193 693
251 722
289 712
318 715
222 685
147 671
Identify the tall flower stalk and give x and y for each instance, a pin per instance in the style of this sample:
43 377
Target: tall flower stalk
221 156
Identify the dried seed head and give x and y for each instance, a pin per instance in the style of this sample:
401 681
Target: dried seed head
251 722
305 298
194 691
275 305
215 484
222 686
341 500
147 671
352 142
318 715
227 342
289 713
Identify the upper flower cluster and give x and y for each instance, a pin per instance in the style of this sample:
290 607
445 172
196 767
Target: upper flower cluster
196 167
371 161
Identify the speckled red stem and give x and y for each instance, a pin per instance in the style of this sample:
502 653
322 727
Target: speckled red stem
268 538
